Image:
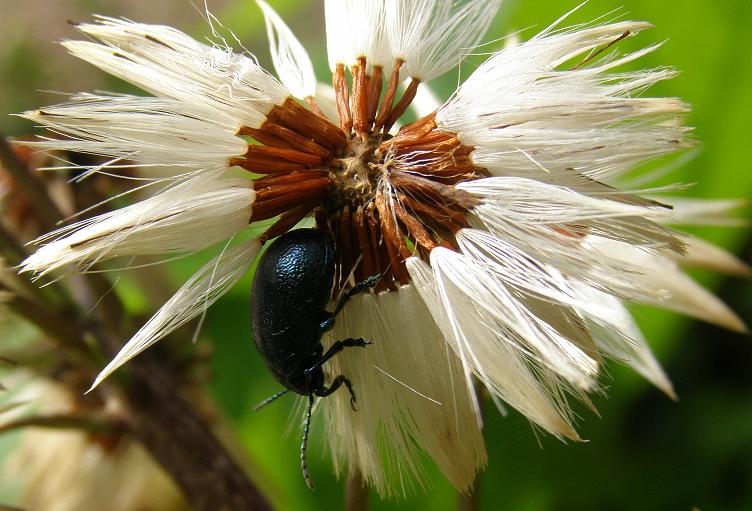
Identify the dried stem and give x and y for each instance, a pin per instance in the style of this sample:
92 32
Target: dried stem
404 102
9 508
11 249
342 93
95 423
182 443
30 185
360 98
470 501
391 90
56 326
356 493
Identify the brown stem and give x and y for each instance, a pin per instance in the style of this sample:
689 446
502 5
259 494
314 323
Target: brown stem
277 153
14 253
356 493
82 422
266 165
274 135
54 325
404 102
360 98
168 427
374 92
345 245
30 185
299 119
287 221
414 227
366 268
342 94
11 249
469 501
10 508
391 90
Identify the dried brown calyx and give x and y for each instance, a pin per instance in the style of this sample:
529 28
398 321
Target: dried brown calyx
383 198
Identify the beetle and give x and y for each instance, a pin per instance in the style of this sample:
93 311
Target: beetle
291 288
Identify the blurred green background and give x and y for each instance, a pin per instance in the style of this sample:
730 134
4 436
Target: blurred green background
646 452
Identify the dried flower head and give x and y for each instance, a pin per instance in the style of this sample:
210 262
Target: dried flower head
507 253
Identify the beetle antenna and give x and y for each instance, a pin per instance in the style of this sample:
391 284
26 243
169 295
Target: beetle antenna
304 445
270 399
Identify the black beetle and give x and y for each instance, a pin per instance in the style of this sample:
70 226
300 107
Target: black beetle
291 287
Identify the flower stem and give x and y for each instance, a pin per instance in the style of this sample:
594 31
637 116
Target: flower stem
91 423
50 322
356 492
170 430
30 185
470 501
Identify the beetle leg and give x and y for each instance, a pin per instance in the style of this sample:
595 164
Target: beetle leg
337 383
355 290
339 380
336 348
358 288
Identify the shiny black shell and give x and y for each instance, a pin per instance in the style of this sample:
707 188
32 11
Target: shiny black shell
291 287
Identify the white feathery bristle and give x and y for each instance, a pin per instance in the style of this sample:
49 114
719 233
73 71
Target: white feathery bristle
188 216
204 288
549 223
290 58
682 294
525 274
355 29
465 305
412 397
569 255
433 36
536 206
703 254
146 130
547 295
487 287
169 63
620 338
693 211
525 201
526 117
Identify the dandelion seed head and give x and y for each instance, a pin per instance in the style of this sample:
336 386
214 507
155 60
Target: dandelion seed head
507 255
